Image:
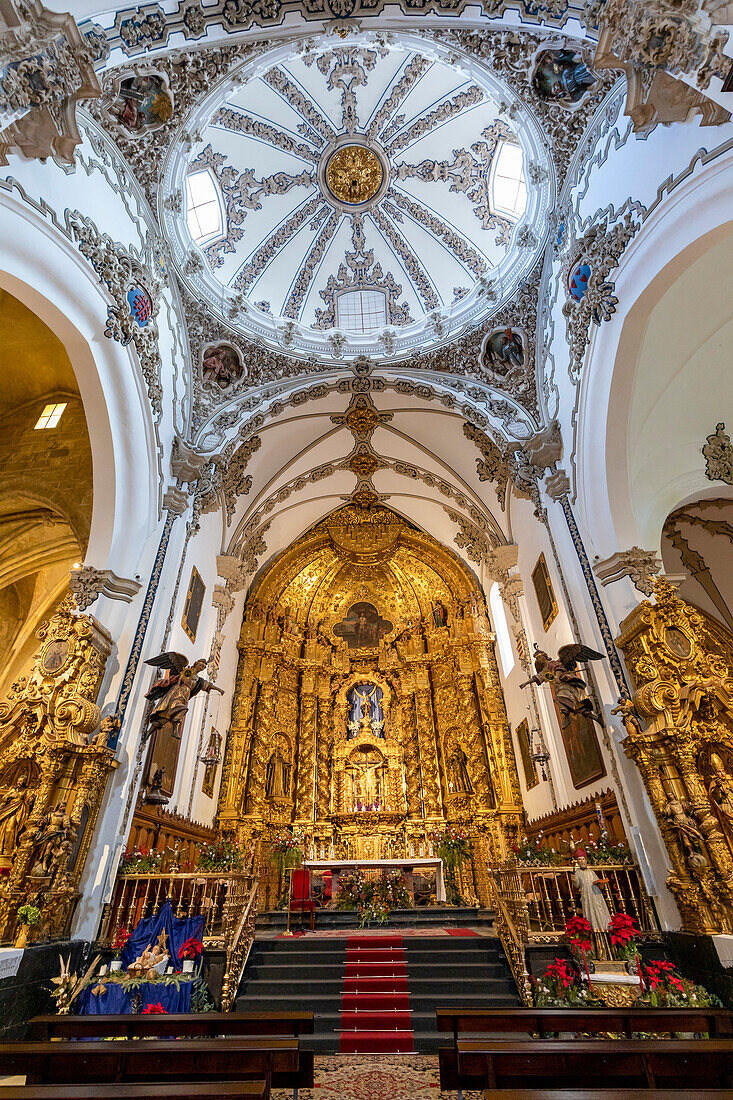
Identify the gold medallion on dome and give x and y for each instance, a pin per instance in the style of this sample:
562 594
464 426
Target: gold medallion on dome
354 174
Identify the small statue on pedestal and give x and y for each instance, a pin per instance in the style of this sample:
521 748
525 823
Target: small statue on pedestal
592 901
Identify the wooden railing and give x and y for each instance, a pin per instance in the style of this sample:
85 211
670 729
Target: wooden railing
533 904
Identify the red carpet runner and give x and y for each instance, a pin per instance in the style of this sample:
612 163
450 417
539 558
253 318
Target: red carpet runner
375 1006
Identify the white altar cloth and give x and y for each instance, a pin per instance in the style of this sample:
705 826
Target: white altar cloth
338 865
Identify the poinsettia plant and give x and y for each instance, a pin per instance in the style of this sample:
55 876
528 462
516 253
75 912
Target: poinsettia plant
666 988
578 934
119 942
624 932
155 1009
191 949
535 852
561 985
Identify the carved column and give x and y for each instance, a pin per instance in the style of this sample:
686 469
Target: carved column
410 754
264 727
324 753
304 792
470 722
428 752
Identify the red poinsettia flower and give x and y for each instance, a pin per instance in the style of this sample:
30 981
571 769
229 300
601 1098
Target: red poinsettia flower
623 929
120 939
190 949
154 1010
578 930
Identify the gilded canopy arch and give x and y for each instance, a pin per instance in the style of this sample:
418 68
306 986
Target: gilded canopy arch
366 644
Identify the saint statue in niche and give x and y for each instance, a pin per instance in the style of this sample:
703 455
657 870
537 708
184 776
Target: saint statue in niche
561 76
15 806
719 783
143 102
366 716
363 626
458 778
277 783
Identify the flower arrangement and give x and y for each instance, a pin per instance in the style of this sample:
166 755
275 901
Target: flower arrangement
191 949
287 850
221 855
561 986
373 898
119 942
666 988
578 934
624 932
536 853
140 861
154 1010
451 845
29 914
602 851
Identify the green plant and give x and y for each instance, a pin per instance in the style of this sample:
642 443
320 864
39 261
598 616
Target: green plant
376 912
29 914
287 851
451 845
536 852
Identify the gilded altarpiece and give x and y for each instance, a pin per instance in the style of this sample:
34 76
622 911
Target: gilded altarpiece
54 766
348 613
681 662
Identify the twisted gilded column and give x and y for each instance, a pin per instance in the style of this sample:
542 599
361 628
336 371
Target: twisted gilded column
428 752
264 727
410 750
470 721
304 790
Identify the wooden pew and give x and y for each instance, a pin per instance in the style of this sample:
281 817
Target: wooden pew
278 1061
606 1094
717 1022
199 1090
596 1063
193 1024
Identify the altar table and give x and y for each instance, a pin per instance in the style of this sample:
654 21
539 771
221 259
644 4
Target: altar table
407 866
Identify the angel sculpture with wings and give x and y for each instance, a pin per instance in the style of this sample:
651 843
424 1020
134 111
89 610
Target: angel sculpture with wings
569 688
171 694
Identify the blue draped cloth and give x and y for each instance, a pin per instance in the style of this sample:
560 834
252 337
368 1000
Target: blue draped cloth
116 1000
177 929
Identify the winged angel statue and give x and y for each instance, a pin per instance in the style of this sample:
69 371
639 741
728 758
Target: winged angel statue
172 693
569 688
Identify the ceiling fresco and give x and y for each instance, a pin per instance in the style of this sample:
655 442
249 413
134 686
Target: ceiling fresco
356 196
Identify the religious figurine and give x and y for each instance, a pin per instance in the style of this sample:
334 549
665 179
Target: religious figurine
676 812
592 901
55 831
458 772
151 962
561 75
720 791
172 693
277 782
629 717
570 689
109 727
440 614
15 806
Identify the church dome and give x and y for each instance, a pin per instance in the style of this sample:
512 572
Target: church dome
365 197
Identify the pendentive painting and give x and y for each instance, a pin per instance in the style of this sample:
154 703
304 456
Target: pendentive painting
363 626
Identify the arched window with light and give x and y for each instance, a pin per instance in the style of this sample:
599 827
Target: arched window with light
501 629
204 207
508 186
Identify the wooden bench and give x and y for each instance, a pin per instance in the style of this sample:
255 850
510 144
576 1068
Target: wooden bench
278 1061
199 1090
606 1094
717 1022
595 1063
193 1024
